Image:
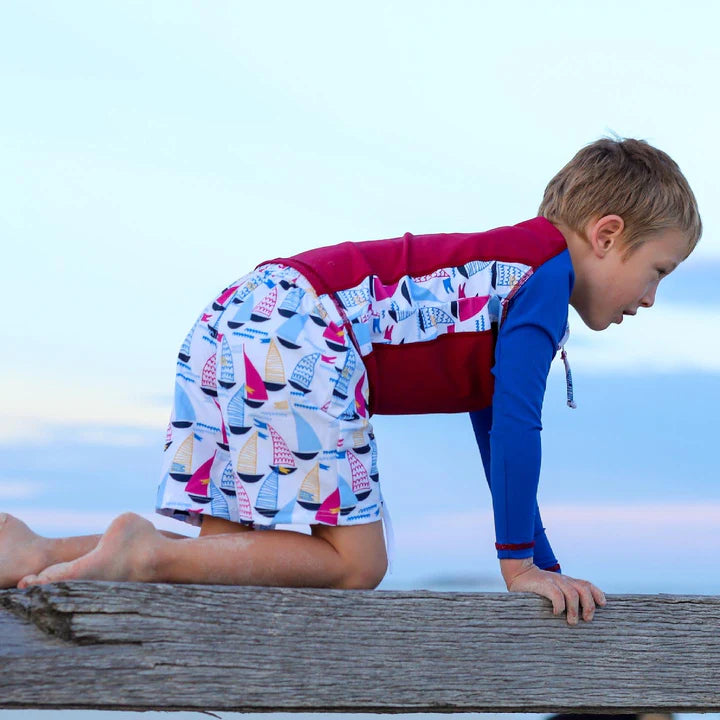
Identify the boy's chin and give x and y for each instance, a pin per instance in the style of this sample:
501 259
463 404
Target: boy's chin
596 324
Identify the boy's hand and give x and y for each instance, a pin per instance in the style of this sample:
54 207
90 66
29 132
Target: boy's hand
564 592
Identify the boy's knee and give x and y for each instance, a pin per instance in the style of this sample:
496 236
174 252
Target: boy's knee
365 575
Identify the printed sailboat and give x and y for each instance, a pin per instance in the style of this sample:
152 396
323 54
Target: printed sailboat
184 411
335 337
227 373
243 504
208 382
181 468
309 492
263 309
221 301
343 381
255 392
302 376
267 499
168 437
360 479
218 503
236 413
247 467
197 487
288 332
243 313
308 442
274 369
282 460
227 483
222 444
290 304
184 353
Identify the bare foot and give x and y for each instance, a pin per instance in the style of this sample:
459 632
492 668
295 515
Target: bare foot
21 550
125 552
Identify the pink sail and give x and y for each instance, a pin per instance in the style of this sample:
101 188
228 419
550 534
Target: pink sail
382 292
224 297
208 382
254 386
243 502
264 308
360 478
335 336
197 486
469 307
360 407
283 459
330 509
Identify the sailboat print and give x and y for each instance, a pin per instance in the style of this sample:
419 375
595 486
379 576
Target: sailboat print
243 314
380 291
267 499
348 501
308 442
181 468
247 467
431 317
412 291
208 382
356 296
335 337
474 267
264 308
274 370
360 407
319 315
287 333
168 437
197 487
291 302
285 516
184 353
309 492
227 373
221 302
359 443
329 509
222 444
302 375
218 503
243 504
255 392
282 460
227 483
374 474
343 380
360 479
236 414
466 307
183 408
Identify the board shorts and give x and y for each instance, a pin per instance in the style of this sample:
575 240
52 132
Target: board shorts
269 424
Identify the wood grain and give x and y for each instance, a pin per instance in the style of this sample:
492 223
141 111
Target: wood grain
110 645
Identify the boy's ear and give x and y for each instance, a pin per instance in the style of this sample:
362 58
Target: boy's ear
605 233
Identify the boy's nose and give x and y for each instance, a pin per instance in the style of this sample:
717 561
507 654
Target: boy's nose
648 299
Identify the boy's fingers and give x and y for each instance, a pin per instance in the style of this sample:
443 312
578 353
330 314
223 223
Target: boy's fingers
599 595
572 602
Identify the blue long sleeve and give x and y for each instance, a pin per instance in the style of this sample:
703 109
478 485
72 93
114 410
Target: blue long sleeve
508 433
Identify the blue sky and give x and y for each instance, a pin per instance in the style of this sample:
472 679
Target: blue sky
153 152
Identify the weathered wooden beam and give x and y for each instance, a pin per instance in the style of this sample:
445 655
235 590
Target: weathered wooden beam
107 645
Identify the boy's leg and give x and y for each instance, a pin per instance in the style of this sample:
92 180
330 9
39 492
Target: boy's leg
23 551
131 549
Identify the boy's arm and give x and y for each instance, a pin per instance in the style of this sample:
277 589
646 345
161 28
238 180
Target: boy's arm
544 557
526 345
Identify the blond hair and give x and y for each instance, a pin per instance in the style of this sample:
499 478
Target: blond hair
629 178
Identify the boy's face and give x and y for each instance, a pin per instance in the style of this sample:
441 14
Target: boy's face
610 288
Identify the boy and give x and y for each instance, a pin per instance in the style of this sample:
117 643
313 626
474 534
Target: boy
444 323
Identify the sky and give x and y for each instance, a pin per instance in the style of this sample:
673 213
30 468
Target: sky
153 152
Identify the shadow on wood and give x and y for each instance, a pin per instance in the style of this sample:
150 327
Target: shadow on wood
111 645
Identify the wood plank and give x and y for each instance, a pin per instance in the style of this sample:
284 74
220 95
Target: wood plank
107 645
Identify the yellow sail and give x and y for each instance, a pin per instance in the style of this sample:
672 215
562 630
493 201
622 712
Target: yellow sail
274 370
247 457
182 461
281 405
359 438
310 488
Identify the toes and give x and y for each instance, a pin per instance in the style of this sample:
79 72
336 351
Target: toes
26 581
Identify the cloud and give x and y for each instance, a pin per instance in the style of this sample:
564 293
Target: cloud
664 339
20 489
